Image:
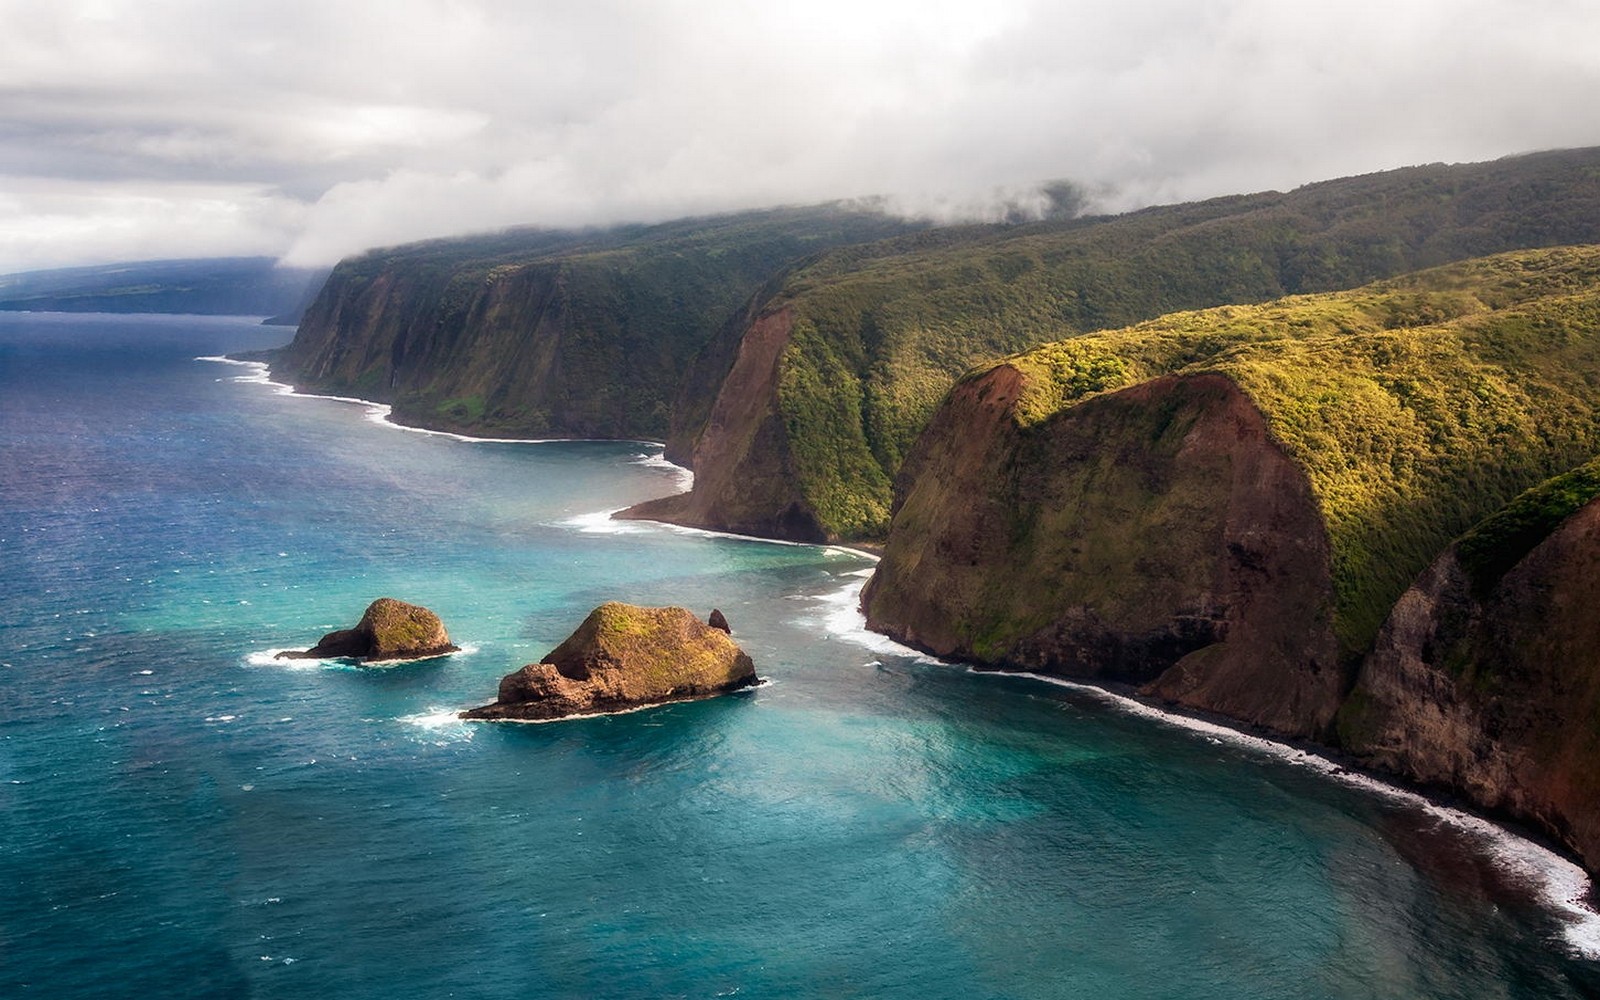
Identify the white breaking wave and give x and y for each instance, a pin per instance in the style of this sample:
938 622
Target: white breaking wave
601 522
685 477
442 725
1562 885
269 658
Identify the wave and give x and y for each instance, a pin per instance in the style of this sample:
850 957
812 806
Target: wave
601 522
684 477
758 685
1562 886
442 725
269 658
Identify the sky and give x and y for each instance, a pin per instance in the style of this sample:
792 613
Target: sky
313 129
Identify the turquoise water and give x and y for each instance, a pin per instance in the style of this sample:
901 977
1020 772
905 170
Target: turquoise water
181 816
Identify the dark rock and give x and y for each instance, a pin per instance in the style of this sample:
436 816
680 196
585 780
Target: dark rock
719 620
389 630
623 657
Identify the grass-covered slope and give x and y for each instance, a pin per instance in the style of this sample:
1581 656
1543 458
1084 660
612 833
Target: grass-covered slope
1414 408
569 333
880 332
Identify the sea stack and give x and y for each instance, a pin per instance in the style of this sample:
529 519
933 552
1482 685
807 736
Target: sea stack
623 657
388 632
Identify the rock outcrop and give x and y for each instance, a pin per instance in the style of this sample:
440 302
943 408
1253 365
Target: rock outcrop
623 657
1222 507
389 631
1156 536
1486 684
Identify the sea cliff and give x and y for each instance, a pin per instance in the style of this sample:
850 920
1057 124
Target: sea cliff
849 357
1485 680
1231 508
533 333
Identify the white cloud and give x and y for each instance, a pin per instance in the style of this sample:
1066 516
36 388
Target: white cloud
343 125
48 224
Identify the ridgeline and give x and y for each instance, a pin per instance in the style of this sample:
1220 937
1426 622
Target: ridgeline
842 366
217 286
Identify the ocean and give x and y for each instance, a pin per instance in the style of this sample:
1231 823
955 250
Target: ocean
181 815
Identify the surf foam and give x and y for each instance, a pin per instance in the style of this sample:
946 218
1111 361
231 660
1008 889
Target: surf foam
1562 886
382 413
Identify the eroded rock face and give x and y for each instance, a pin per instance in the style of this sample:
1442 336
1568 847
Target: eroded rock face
744 474
1495 695
624 657
1154 536
390 630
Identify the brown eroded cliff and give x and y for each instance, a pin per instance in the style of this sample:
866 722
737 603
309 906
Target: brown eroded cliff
1488 686
744 475
1155 535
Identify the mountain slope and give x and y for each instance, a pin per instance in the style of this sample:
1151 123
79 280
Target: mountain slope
1223 506
1485 680
876 334
559 333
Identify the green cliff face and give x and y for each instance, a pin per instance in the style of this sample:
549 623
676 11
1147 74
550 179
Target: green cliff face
878 333
570 334
1224 505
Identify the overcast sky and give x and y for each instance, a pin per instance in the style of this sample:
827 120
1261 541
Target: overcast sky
314 129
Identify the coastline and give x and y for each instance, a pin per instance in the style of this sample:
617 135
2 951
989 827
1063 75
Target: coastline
381 413
1564 888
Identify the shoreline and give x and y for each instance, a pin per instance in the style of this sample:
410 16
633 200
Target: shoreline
1564 888
382 413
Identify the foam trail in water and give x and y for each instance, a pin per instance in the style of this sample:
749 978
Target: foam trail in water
444 725
1563 886
269 658
601 522
684 477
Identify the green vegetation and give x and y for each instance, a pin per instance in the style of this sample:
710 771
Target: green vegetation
655 651
465 410
883 330
1416 406
1503 539
590 333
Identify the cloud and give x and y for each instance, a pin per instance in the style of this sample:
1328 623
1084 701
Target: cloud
53 224
332 127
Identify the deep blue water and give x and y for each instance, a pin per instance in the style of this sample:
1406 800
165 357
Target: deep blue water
179 816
